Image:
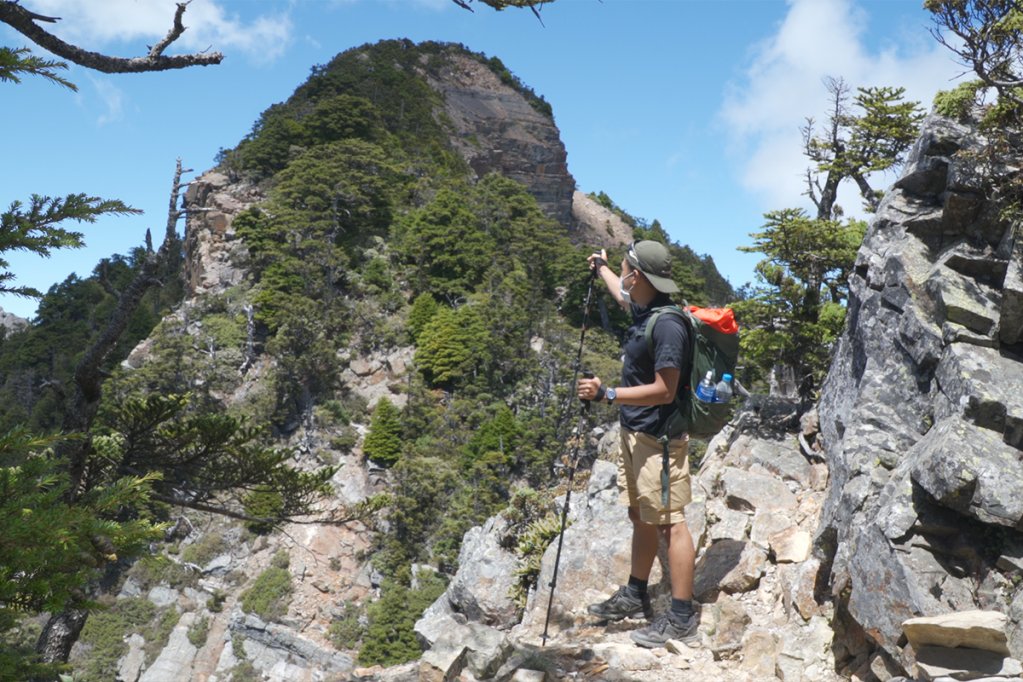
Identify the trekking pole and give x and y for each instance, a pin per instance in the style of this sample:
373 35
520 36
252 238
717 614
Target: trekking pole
574 461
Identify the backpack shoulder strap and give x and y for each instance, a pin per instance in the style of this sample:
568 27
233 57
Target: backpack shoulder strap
648 333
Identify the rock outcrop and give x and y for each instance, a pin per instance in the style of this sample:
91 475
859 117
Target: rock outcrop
213 252
11 322
596 224
497 129
921 411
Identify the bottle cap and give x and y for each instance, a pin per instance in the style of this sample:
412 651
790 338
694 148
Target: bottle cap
727 378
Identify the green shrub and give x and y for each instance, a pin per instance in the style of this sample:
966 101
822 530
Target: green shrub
531 546
104 634
156 570
331 412
346 631
216 602
390 638
383 442
269 595
204 550
345 440
263 503
281 559
199 631
158 632
106 630
957 102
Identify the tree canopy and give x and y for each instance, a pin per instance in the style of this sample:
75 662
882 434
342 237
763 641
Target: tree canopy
795 311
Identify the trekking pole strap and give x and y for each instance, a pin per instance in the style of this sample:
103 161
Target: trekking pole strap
665 471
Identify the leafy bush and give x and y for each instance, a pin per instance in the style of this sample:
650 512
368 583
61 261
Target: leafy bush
204 550
105 634
957 102
154 570
531 546
199 631
269 595
263 503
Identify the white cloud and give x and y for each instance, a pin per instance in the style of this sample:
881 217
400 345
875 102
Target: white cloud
112 98
783 85
208 25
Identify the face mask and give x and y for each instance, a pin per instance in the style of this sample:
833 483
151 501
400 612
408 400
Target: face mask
626 293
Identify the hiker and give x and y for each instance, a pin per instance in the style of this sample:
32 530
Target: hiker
646 396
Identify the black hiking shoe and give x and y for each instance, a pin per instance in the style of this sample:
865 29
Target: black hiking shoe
622 604
666 627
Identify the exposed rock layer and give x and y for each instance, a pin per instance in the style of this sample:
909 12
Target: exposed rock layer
496 129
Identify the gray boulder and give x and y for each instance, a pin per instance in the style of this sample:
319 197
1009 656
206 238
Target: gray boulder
482 586
594 555
970 470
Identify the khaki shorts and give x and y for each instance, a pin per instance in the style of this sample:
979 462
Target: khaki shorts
639 477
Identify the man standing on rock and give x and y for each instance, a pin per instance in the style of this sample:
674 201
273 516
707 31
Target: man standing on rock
646 396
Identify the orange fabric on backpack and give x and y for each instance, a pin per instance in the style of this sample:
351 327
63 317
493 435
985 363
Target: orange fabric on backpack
721 319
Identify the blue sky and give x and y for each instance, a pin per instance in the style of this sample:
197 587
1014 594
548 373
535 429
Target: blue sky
687 111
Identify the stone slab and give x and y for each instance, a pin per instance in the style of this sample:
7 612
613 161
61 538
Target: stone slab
970 629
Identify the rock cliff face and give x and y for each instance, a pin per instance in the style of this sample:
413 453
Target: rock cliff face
921 412
213 254
496 129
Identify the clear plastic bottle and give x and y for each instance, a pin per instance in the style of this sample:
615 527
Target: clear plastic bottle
705 390
723 391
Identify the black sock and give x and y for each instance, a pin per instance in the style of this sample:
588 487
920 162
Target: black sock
681 608
637 586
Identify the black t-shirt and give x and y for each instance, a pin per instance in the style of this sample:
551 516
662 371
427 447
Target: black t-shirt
671 349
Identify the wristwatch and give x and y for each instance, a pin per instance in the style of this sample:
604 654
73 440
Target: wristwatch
610 395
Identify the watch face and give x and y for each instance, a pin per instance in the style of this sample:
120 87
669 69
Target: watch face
611 394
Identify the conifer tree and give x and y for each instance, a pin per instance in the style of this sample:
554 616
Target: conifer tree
987 37
453 346
383 442
424 307
797 309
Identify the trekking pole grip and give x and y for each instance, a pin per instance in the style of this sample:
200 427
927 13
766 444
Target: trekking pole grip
587 374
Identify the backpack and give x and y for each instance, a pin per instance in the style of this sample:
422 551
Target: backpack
714 346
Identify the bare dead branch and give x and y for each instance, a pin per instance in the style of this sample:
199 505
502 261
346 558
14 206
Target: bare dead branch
23 21
176 30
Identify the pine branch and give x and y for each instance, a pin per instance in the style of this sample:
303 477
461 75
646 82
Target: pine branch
24 21
35 228
21 60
